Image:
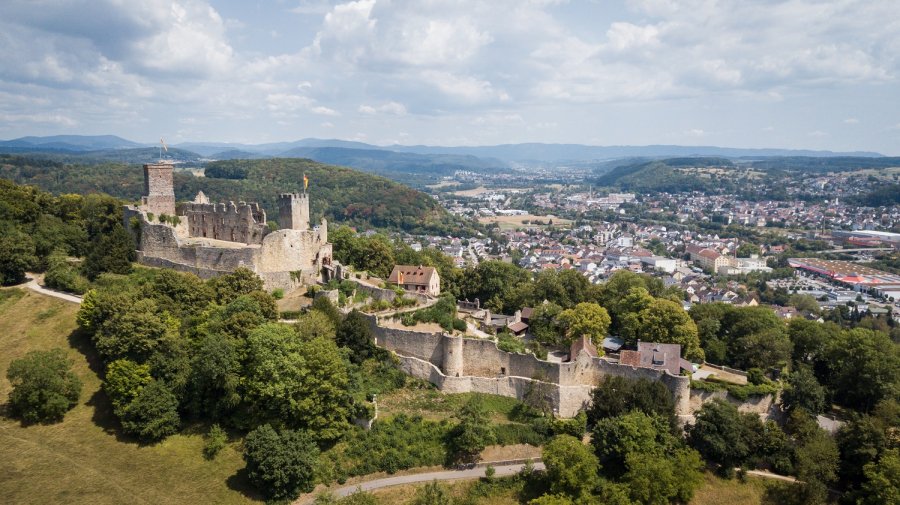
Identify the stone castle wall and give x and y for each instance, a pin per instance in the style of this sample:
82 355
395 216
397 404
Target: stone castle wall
159 193
243 222
457 364
285 259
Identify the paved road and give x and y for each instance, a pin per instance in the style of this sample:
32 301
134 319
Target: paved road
33 285
475 473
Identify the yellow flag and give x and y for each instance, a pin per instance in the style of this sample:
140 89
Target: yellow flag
305 182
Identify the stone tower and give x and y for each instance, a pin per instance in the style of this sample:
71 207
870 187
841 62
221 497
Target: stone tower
159 191
293 211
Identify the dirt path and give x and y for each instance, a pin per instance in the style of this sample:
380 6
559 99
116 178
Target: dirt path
473 473
33 285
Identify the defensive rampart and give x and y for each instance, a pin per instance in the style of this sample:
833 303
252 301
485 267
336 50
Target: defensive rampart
241 222
284 259
457 364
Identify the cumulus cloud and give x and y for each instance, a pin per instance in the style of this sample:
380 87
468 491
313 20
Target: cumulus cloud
392 108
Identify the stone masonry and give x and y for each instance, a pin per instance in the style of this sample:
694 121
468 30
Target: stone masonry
213 239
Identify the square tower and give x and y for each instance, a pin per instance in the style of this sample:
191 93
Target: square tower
293 211
159 190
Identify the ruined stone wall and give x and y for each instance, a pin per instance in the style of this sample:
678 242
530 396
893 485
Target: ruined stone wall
760 404
243 222
457 364
278 263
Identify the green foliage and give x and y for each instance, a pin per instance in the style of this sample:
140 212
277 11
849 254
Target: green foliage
153 414
615 396
571 467
434 493
280 464
443 313
803 391
124 381
863 367
396 444
229 287
302 383
493 282
63 276
882 484
112 253
745 337
216 439
16 254
472 434
314 324
278 294
510 343
43 386
584 320
355 334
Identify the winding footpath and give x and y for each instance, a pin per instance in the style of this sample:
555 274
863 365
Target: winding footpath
33 285
473 473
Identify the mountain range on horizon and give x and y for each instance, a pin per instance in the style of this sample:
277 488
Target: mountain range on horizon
501 154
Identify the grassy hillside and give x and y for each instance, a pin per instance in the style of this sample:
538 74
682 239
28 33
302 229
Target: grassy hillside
342 195
84 459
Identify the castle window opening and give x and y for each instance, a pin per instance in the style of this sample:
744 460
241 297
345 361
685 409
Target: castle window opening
502 370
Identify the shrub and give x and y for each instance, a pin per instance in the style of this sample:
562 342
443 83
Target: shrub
459 325
44 387
510 343
215 441
280 465
278 294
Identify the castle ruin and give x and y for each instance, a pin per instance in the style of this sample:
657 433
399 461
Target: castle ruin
210 239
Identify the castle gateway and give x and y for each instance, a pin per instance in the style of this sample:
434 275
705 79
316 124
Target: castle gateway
210 239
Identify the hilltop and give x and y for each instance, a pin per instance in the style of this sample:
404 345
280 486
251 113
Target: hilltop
341 195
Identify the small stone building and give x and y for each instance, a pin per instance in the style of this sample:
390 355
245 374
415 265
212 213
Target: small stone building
418 279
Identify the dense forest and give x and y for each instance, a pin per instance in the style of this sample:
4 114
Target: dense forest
339 194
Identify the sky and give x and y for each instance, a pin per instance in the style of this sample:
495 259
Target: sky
806 74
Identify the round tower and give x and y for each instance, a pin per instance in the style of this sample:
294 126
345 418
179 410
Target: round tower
453 355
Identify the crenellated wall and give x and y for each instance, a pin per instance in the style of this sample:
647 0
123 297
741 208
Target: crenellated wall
457 364
241 222
284 259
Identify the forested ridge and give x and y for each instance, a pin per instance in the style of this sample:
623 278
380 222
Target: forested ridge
339 194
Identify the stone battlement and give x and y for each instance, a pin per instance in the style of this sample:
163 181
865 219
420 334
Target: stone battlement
241 222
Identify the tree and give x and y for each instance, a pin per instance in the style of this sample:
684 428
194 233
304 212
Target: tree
585 320
213 386
746 250
472 434
314 324
655 480
810 340
228 287
43 386
803 391
280 464
303 384
134 331
114 253
864 367
545 326
323 305
552 499
492 282
355 334
614 438
658 320
153 414
720 435
615 396
882 484
804 303
124 381
16 254
817 465
571 468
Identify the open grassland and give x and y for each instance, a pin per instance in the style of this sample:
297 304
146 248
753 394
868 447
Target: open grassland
513 222
84 459
433 405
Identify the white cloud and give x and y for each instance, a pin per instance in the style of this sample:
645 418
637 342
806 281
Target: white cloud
392 108
851 120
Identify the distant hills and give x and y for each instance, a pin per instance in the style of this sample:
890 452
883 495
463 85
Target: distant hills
421 165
